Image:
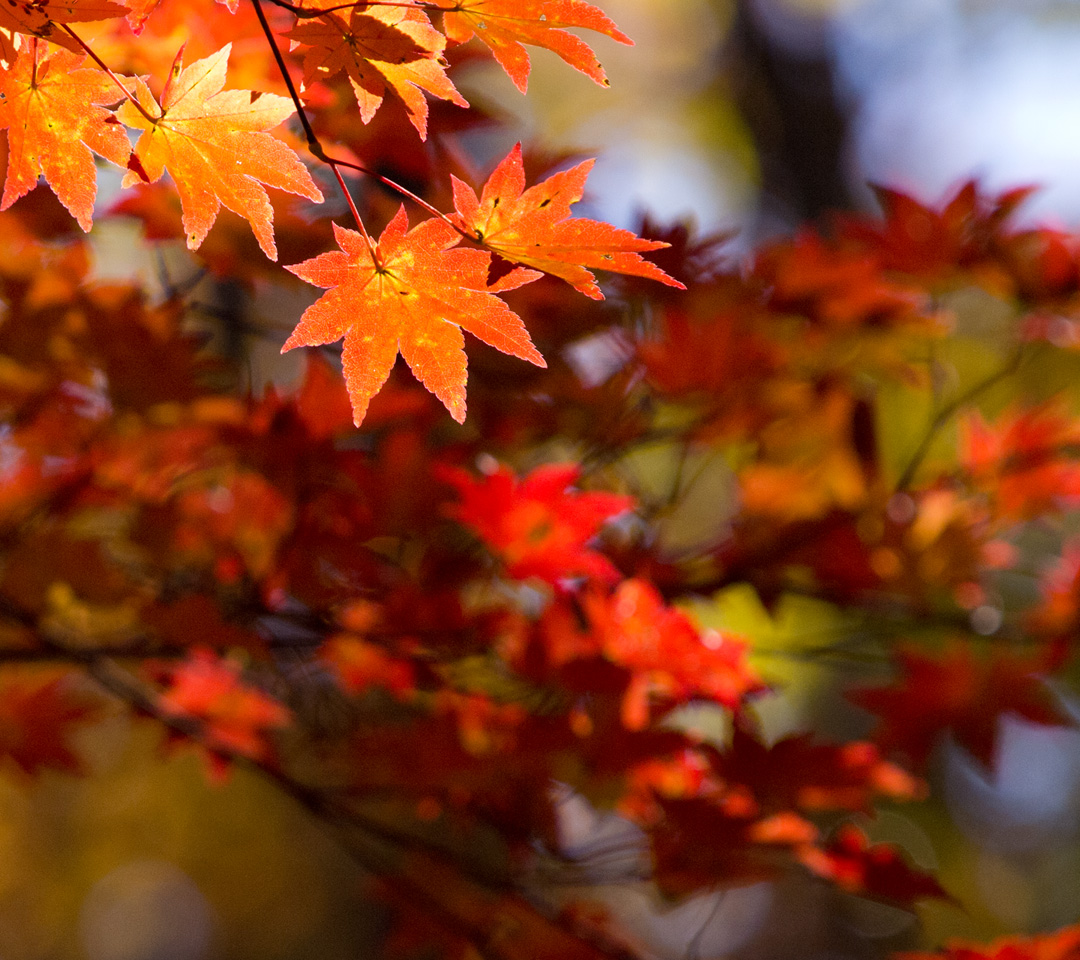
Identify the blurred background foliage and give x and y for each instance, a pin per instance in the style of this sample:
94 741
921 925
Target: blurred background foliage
750 116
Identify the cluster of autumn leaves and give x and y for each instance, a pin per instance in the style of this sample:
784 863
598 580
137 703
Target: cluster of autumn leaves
214 143
426 625
469 637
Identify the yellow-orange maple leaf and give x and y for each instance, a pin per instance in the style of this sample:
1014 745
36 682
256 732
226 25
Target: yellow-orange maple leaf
380 47
49 106
214 144
42 18
534 227
415 294
505 25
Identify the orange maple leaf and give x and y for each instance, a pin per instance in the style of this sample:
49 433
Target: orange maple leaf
1063 944
380 47
40 18
505 25
534 227
322 403
836 287
215 146
50 109
1020 462
414 293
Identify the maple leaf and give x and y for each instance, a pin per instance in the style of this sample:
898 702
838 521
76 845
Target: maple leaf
239 515
836 288
237 716
935 243
412 293
40 18
1063 944
957 692
697 843
505 25
1019 462
139 12
1058 613
322 402
668 656
50 108
361 665
534 227
874 870
538 525
380 47
214 144
36 715
797 772
197 615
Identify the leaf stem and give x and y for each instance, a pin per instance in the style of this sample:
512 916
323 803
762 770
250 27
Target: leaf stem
313 143
315 146
352 207
303 13
115 79
950 409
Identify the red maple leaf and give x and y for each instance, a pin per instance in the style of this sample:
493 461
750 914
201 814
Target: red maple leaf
534 227
963 694
668 656
664 658
236 716
1058 614
361 665
1019 461
934 242
37 715
321 401
696 843
797 772
412 293
538 525
874 870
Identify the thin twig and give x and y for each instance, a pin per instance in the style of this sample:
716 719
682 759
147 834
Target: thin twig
316 148
376 846
947 412
312 140
57 655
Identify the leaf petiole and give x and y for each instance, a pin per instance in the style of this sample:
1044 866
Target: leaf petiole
115 79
